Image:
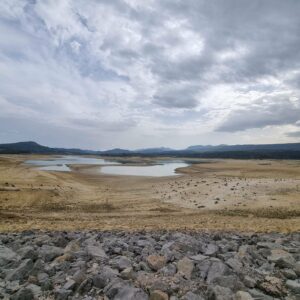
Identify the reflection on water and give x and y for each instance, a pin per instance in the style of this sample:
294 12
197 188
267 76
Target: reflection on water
60 163
165 169
55 168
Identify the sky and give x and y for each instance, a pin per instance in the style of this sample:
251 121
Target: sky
102 74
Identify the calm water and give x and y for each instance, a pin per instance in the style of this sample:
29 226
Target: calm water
165 169
60 163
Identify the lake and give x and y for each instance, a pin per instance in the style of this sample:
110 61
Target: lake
162 168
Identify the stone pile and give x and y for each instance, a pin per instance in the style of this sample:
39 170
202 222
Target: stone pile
149 265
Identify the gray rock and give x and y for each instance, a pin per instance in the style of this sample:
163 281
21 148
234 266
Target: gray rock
23 294
7 255
28 252
216 269
293 285
219 293
191 296
62 294
249 282
169 270
127 273
235 264
211 249
185 267
35 289
130 293
289 273
69 285
21 272
282 258
241 295
104 277
121 263
296 268
96 252
230 281
48 253
258 295
198 257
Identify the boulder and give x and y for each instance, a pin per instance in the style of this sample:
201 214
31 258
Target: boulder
241 295
21 272
216 292
293 286
156 262
158 295
282 258
185 267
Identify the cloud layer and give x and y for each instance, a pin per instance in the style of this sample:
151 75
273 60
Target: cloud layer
101 74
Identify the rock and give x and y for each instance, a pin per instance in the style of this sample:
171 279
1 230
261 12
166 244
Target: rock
79 276
219 293
234 264
120 290
96 252
35 289
198 257
127 273
293 285
48 253
241 295
158 295
191 296
249 282
7 255
289 274
72 247
28 252
62 294
273 286
156 262
21 272
169 270
216 269
282 258
130 293
23 294
258 295
69 285
296 268
211 249
104 277
121 263
85 286
230 281
185 267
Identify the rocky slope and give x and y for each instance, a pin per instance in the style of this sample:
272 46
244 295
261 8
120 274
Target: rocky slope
154 265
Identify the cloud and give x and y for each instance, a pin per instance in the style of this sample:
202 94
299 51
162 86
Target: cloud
268 111
293 134
118 67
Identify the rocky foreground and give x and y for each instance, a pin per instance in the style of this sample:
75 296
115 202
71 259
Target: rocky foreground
155 266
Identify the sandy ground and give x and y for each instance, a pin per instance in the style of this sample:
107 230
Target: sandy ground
209 195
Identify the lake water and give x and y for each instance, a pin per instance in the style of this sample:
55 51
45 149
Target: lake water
163 168
60 163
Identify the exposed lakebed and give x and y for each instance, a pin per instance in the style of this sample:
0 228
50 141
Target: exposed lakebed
157 169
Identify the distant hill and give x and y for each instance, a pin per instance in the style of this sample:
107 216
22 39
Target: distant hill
35 148
261 151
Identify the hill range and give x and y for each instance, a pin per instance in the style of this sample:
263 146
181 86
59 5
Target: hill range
258 151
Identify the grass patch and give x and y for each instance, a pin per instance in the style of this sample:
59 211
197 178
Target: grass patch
271 213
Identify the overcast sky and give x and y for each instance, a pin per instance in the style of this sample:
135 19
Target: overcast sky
134 74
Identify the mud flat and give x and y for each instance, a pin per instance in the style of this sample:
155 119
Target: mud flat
248 196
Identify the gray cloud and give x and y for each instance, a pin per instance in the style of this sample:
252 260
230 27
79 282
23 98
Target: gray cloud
122 66
293 134
262 113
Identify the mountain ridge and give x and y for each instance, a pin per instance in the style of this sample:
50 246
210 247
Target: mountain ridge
277 151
